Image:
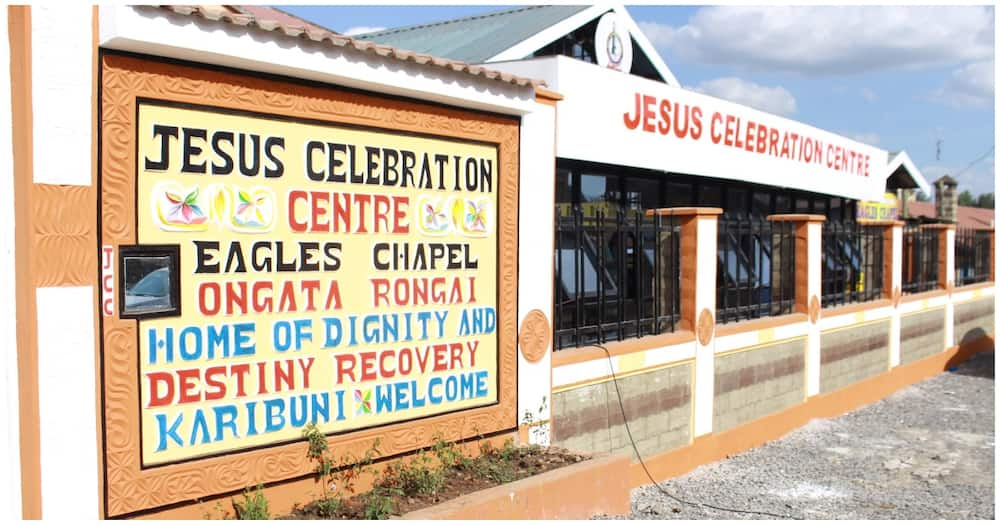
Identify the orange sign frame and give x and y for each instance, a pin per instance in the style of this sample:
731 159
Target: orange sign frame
125 79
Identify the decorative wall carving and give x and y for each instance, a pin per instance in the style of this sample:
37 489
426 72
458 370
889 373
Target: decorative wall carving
131 489
814 308
62 235
706 326
534 336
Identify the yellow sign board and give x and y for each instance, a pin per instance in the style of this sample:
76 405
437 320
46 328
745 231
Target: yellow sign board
887 210
328 274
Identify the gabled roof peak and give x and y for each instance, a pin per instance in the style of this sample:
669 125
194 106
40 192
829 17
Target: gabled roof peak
512 34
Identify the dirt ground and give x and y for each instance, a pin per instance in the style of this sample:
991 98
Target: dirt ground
926 452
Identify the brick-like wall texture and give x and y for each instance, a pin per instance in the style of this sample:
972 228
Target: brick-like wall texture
657 404
754 383
973 320
921 335
849 355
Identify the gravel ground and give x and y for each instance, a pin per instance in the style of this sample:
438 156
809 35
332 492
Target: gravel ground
925 452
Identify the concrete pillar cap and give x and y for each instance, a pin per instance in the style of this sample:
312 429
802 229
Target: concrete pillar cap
797 217
684 211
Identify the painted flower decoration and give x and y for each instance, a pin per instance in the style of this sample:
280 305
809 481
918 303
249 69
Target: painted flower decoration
186 210
475 216
362 402
248 210
433 216
470 217
434 219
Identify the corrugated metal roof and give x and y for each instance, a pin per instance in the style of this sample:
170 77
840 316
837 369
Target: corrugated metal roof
265 12
243 19
477 38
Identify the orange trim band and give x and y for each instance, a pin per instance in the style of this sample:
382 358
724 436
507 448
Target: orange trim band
19 34
974 286
930 294
617 348
856 307
763 323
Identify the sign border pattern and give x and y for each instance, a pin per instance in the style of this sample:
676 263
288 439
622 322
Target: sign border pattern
129 488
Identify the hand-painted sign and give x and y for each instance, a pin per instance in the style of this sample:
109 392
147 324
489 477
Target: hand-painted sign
108 280
886 210
339 275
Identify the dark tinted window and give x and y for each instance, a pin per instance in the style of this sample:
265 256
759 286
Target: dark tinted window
819 205
760 207
710 195
564 186
736 202
680 194
801 204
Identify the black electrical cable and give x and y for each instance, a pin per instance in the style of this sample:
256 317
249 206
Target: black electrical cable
628 431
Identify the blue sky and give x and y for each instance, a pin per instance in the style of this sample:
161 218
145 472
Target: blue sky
896 77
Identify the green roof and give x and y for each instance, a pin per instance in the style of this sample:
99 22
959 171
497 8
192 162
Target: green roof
475 39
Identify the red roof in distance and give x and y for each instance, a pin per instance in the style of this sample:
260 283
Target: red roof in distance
968 217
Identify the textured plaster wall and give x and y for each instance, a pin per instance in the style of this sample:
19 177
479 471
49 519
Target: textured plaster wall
852 354
754 383
973 320
657 405
921 335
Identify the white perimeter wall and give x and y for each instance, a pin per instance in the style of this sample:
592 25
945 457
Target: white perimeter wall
535 273
62 100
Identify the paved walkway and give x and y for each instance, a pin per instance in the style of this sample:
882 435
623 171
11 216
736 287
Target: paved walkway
926 452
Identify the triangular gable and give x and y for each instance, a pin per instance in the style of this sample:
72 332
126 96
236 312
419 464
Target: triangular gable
567 25
511 35
905 174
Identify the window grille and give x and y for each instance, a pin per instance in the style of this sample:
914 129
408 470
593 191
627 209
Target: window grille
920 259
756 268
853 258
972 256
617 275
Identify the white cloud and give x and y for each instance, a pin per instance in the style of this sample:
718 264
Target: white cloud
977 179
870 138
815 40
970 86
775 100
868 94
360 30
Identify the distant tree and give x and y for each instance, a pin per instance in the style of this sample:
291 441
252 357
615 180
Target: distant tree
965 199
923 197
985 201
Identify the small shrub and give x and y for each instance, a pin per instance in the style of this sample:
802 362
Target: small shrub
254 506
448 453
509 452
217 512
329 507
339 474
420 477
378 502
417 477
499 471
